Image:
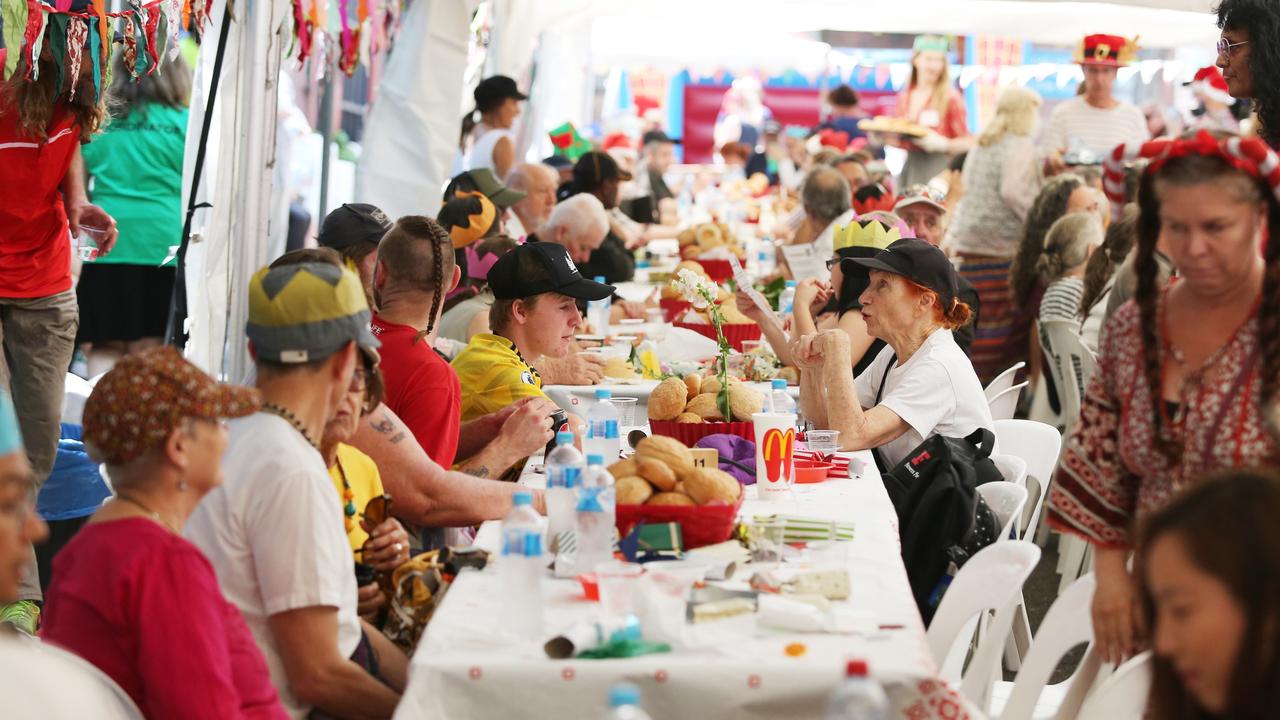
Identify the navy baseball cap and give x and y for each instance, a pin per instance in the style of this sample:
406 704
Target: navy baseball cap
919 262
542 267
352 223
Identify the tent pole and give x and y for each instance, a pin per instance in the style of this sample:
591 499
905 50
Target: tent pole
326 135
174 332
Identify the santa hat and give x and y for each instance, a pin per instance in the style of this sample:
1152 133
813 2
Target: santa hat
1210 83
617 141
1106 50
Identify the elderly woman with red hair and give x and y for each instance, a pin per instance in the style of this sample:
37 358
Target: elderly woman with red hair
919 386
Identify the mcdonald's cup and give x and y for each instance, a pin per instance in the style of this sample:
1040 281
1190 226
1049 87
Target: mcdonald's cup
775 449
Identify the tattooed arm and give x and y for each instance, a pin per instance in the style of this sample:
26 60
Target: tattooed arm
426 494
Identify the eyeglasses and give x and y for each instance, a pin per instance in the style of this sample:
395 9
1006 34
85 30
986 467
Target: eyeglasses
1227 48
833 262
357 382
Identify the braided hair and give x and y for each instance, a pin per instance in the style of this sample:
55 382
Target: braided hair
1202 170
409 247
1103 263
1050 204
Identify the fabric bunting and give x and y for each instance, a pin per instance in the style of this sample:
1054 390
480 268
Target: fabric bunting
77 31
130 48
13 15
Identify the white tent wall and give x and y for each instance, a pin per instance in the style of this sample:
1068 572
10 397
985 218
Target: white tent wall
242 230
411 136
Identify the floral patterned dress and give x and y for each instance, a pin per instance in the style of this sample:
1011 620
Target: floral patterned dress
1112 471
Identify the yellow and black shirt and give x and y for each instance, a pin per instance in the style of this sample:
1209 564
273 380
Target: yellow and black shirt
493 375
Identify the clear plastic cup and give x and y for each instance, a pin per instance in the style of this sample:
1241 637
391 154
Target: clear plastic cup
768 537
823 442
626 410
89 242
618 583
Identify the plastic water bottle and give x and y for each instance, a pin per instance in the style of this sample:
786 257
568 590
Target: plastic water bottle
859 697
624 703
594 516
598 312
602 428
780 400
522 566
564 466
787 300
766 258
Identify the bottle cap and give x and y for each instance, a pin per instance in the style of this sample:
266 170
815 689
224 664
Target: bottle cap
791 283
599 279
522 498
604 394
624 694
856 668
564 437
595 459
779 384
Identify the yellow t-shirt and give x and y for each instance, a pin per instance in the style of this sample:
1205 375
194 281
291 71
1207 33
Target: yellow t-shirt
493 375
366 484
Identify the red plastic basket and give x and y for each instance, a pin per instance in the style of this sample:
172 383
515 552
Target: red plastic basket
718 270
699 525
672 309
691 433
735 333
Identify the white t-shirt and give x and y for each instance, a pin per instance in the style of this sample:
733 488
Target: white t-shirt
1098 130
935 391
481 155
275 536
40 680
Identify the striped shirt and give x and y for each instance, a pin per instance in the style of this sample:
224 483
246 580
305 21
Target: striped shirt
493 375
1062 300
1075 124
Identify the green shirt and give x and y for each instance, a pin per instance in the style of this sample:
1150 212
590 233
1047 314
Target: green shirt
136 166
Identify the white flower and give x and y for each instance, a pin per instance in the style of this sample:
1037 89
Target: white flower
697 290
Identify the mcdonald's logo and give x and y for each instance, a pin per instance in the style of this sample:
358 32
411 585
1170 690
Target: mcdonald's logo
776 450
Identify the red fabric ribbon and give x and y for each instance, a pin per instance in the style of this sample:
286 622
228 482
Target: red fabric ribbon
1205 145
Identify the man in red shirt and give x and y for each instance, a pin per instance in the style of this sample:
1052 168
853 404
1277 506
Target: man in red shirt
42 206
415 270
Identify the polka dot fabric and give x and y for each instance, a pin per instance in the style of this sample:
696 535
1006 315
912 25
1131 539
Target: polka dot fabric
136 405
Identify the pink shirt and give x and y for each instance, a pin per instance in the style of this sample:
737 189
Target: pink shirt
143 605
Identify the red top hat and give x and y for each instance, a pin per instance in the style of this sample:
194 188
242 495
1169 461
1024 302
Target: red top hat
1211 85
1106 50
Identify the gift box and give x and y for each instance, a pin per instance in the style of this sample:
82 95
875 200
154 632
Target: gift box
691 433
700 525
734 333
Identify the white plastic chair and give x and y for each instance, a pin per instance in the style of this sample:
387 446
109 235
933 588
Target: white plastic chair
1067 624
991 581
1006 500
1071 363
1004 405
1003 381
1123 695
1012 467
1038 445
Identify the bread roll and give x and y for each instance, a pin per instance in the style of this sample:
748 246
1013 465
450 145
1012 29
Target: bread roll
658 473
667 450
668 399
704 406
623 468
688 417
744 401
706 485
632 490
693 382
671 498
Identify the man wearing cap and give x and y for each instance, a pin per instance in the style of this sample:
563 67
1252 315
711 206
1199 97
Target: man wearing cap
535 313
921 384
415 270
354 231
659 155
483 181
274 530
538 182
597 174
1091 125
923 209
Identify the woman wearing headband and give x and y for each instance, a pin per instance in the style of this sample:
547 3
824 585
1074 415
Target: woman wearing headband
1188 370
130 594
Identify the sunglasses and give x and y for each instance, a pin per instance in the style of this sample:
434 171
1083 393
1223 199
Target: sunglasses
377 510
1227 48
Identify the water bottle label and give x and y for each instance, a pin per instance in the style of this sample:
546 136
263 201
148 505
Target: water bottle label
611 429
602 430
564 477
589 500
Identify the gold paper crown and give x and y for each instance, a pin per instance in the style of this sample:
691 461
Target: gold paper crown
869 234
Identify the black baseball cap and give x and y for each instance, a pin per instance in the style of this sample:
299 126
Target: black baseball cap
542 267
494 89
918 261
353 223
657 136
594 168
483 180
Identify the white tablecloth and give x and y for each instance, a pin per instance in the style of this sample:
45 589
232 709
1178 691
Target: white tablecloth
463 669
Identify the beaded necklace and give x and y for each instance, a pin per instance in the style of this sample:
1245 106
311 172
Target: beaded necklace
348 498
292 419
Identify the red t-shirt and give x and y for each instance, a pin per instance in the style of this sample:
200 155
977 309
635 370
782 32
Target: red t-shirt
421 388
143 605
35 249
